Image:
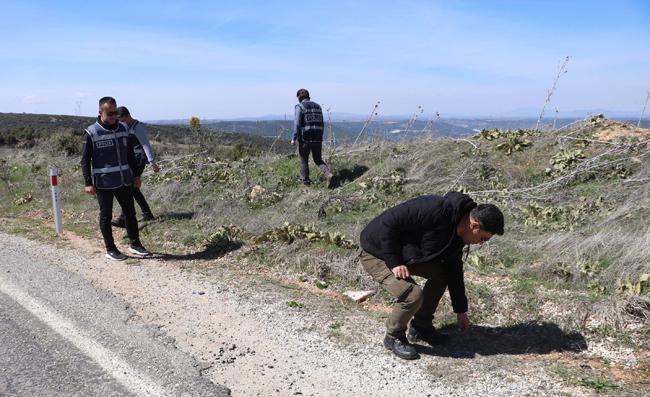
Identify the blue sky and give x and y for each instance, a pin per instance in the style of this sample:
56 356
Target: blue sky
218 59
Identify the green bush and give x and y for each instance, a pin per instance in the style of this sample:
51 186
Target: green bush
291 232
391 184
23 136
66 142
556 218
507 141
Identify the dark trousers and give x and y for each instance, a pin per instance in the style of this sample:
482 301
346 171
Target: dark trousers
142 202
413 302
316 150
139 197
124 196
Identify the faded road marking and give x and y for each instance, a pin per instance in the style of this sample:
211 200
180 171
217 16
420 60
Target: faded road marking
114 365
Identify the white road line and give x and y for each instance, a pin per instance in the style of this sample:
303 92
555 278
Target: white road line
120 370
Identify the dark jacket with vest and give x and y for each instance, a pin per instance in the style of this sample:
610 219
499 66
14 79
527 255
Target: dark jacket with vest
107 157
308 122
423 230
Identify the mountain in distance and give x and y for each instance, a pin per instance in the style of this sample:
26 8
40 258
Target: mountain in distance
519 113
549 113
344 131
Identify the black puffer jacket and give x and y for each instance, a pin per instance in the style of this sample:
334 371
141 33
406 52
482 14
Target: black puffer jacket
423 230
416 231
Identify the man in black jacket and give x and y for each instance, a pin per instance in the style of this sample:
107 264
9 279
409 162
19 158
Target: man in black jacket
424 237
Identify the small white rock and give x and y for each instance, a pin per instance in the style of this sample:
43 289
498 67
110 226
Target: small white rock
359 296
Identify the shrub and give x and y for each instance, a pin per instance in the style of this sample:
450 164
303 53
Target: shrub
66 142
390 184
564 159
291 232
556 218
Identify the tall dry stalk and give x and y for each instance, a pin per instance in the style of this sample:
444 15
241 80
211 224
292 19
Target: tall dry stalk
332 139
413 119
429 125
643 111
560 71
368 121
277 138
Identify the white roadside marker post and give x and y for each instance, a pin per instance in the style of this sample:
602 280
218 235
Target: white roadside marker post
53 171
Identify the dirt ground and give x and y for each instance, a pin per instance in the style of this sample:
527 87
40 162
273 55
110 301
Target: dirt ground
260 334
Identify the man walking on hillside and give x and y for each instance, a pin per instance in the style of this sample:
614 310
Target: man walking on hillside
110 171
424 237
143 155
308 133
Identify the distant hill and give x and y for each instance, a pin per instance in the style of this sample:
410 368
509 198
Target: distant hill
27 130
514 123
344 131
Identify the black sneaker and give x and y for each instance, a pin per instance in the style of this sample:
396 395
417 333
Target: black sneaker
115 255
138 250
401 347
119 222
306 183
428 335
148 216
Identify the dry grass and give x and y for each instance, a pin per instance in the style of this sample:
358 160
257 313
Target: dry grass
541 271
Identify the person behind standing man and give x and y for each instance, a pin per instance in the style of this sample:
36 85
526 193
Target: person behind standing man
144 155
110 171
308 133
425 237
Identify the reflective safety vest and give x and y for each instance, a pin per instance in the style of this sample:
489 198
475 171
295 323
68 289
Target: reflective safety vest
110 165
140 157
311 121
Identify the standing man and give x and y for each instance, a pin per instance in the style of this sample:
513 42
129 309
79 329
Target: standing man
308 132
110 171
424 237
143 155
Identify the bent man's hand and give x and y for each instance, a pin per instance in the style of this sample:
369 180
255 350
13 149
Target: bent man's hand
401 271
90 190
155 167
463 322
137 182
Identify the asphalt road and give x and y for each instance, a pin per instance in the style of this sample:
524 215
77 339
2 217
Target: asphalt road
61 336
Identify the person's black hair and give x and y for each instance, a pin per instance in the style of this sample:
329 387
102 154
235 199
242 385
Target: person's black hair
122 111
107 99
302 94
490 217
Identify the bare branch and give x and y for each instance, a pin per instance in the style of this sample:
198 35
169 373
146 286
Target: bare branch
413 119
561 70
368 121
643 111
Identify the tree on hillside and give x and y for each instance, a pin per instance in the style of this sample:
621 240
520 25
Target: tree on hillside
198 132
195 123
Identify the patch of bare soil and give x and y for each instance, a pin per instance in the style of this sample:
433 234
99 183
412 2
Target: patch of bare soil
608 131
